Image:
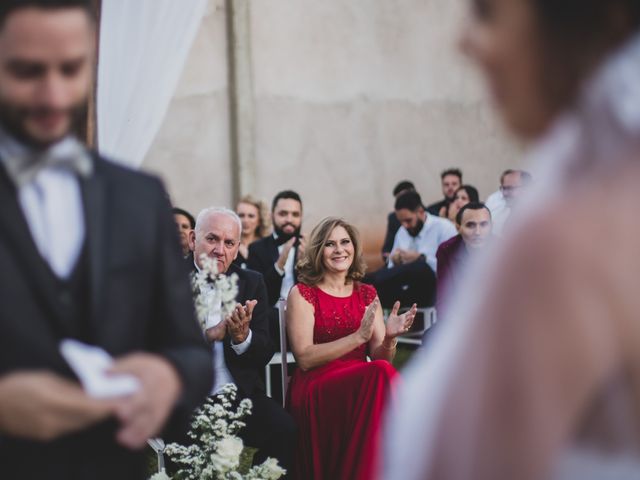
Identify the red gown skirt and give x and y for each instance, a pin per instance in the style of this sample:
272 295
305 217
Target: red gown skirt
338 407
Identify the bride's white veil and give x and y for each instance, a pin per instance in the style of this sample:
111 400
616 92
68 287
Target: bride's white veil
432 431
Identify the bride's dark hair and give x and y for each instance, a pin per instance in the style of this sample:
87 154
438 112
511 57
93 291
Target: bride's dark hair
577 35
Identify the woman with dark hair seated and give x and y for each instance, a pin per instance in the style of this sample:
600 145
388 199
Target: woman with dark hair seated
334 322
464 195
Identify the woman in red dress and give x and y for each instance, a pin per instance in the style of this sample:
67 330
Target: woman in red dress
334 323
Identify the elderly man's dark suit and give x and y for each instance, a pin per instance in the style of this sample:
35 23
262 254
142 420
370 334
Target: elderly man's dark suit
269 428
129 292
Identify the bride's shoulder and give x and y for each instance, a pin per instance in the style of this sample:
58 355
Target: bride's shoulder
588 221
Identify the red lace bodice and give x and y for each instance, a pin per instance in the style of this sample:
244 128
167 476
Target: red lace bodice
337 317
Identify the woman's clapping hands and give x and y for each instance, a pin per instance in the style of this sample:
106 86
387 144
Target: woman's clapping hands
399 324
366 325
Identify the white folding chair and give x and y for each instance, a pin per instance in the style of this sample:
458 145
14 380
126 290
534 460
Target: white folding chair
415 337
283 357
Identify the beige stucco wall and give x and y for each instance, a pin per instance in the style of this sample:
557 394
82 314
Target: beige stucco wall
351 96
191 150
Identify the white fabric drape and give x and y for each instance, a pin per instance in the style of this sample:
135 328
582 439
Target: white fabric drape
143 47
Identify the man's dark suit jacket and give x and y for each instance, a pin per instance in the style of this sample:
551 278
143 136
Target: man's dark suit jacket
263 255
451 255
434 208
139 300
393 225
247 368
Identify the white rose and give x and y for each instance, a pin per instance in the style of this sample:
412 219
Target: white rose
272 470
162 475
227 455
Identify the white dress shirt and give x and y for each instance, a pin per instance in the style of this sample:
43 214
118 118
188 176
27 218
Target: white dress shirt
435 231
52 205
222 376
288 280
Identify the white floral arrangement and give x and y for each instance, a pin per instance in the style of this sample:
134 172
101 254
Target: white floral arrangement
212 289
215 453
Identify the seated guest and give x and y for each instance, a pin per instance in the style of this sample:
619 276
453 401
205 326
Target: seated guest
275 256
334 323
451 180
255 225
475 226
410 275
186 223
392 221
241 343
465 194
501 203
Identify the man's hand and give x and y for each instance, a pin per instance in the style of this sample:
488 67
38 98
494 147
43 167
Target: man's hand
144 413
409 256
282 259
217 333
239 320
40 405
397 256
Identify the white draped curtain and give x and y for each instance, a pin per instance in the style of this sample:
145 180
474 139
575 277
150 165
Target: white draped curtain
143 48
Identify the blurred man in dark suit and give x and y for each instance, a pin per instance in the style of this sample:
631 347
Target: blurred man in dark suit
88 251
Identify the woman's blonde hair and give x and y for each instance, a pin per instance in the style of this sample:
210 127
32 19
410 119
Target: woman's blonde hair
311 267
264 224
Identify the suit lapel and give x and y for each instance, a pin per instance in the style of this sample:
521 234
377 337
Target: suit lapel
273 248
16 234
242 287
242 282
94 195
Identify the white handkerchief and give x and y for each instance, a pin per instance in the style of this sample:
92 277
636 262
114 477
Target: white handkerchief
90 364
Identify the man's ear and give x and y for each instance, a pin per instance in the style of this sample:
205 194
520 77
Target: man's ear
192 240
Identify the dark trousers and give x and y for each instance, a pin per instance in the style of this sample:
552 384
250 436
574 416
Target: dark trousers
409 283
272 431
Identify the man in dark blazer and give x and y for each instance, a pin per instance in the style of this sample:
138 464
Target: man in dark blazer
276 255
451 180
475 226
241 343
89 251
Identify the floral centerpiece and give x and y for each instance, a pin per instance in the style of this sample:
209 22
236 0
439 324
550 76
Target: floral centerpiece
215 453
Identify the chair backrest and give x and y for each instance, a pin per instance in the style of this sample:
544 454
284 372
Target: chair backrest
284 368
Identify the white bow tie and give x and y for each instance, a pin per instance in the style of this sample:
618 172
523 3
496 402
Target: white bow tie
23 165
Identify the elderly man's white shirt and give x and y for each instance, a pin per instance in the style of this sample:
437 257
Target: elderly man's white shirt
222 376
